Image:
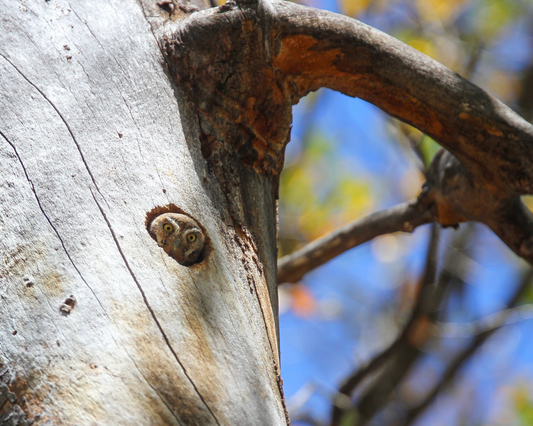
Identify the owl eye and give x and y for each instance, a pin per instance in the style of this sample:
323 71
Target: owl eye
168 227
191 238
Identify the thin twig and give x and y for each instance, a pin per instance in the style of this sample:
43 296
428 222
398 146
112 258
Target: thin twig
404 217
488 323
424 313
425 296
449 375
414 337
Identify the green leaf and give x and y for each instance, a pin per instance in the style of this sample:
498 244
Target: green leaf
428 148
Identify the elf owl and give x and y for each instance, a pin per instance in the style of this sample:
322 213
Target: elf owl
180 237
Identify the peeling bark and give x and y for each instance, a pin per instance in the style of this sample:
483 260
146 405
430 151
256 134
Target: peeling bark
243 65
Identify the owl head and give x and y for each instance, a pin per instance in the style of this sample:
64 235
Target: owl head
180 237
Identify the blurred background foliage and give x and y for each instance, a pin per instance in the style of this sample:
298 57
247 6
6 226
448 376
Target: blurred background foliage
472 362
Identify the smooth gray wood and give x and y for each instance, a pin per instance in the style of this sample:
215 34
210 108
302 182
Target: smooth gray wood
91 140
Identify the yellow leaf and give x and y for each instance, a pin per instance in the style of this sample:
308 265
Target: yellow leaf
494 15
353 7
438 10
528 201
303 301
425 46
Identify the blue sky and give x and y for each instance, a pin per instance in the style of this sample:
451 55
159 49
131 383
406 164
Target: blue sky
358 294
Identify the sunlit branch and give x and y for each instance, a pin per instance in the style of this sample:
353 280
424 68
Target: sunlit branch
295 50
412 143
321 49
401 218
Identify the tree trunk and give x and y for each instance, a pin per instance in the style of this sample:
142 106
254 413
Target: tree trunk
119 111
98 325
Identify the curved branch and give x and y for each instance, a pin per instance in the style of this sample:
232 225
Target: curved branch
243 65
317 49
403 217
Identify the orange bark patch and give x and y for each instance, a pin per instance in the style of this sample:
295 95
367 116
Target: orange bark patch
29 400
300 53
446 214
313 63
432 123
481 124
494 131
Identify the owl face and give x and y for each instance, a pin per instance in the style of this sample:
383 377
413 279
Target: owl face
180 237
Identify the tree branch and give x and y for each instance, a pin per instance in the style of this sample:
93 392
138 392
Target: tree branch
243 65
448 375
317 49
457 198
417 329
403 350
488 323
452 369
401 218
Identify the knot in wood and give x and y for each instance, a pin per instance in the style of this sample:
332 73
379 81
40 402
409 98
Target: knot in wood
457 196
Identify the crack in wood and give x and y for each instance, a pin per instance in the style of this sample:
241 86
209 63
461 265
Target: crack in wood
152 312
64 122
49 220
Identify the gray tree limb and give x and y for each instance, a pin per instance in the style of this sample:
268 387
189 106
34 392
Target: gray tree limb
401 218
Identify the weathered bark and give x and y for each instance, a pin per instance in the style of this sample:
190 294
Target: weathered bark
244 64
401 218
96 139
321 49
279 51
92 139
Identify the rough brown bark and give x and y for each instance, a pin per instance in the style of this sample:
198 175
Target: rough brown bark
244 64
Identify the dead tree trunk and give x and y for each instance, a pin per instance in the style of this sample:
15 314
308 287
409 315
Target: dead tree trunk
97 324
100 132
